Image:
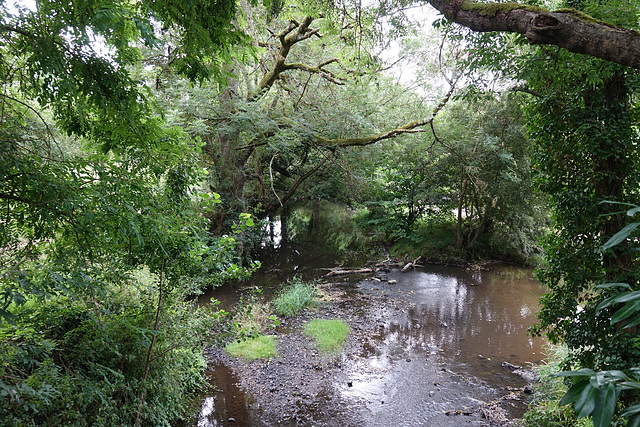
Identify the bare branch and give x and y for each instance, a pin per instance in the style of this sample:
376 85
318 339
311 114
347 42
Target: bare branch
9 29
319 70
271 177
294 33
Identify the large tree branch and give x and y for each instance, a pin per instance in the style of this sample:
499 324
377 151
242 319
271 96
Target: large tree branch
566 28
319 69
411 127
294 33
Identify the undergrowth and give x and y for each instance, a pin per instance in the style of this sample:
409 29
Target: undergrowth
545 410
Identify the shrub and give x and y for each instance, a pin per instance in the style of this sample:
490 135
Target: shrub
68 363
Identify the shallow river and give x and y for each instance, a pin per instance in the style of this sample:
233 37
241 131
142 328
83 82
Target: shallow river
460 323
443 350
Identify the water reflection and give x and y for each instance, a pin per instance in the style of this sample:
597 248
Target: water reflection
443 351
467 323
229 402
206 418
479 316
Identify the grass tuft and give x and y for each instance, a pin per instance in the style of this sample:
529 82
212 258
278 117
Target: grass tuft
545 409
260 347
295 298
328 334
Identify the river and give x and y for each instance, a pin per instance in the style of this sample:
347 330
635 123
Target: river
441 338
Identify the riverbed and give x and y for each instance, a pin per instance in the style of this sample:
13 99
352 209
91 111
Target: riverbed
436 346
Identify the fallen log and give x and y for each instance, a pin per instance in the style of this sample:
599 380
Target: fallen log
407 267
346 272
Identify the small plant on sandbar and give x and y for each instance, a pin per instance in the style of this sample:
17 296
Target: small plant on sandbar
260 347
295 297
328 334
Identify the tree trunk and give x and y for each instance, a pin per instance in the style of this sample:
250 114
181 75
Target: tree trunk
459 236
569 29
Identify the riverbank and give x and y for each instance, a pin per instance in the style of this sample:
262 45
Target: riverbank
377 379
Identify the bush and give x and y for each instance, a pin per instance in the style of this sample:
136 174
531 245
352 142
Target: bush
545 410
69 363
328 334
295 298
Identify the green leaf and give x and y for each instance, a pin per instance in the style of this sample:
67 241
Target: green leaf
606 303
631 411
626 311
584 372
606 405
634 420
621 235
628 296
573 394
587 401
635 320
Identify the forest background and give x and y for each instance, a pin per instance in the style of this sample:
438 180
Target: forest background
143 144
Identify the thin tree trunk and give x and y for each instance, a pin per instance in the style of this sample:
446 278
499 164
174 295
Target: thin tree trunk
463 191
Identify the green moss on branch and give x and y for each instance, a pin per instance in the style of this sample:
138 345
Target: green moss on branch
492 9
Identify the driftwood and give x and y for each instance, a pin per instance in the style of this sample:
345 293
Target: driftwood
410 265
346 272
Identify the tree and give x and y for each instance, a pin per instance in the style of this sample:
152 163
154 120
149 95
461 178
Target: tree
101 237
285 117
583 123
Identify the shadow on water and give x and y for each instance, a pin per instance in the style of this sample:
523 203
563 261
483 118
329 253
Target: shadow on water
303 242
444 350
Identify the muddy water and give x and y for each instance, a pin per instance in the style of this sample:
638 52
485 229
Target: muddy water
467 324
441 337
478 320
442 353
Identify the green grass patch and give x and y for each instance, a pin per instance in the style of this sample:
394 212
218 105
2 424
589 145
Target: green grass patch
261 347
328 334
295 297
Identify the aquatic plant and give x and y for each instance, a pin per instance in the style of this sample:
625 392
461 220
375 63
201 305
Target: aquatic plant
295 297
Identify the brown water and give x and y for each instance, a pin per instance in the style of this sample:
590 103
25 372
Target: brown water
445 351
468 324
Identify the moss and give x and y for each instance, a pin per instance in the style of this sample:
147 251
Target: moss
492 9
581 15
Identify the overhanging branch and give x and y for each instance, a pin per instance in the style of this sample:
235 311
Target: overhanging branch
566 28
416 126
294 33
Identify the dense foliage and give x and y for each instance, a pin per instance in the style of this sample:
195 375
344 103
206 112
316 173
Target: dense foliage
124 125
468 179
102 236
